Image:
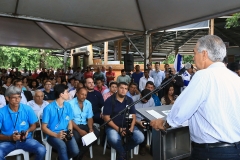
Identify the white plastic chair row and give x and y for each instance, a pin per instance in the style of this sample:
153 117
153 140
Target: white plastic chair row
18 153
113 151
48 146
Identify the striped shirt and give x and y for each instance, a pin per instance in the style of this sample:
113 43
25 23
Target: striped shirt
211 104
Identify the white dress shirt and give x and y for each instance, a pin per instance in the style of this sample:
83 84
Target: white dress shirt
72 94
211 104
36 108
2 101
143 80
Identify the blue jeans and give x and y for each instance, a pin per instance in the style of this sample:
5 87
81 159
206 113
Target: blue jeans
66 150
218 153
115 140
30 145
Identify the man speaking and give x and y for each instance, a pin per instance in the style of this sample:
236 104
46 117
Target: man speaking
213 105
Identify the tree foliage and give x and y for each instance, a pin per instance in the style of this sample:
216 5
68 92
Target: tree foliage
29 58
232 21
186 58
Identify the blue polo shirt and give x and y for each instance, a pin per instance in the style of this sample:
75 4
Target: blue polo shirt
81 116
22 119
136 77
156 100
57 118
113 109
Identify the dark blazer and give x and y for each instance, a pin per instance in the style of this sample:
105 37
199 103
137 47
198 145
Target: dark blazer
28 95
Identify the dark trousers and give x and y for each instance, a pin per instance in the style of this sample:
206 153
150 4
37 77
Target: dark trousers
218 153
97 119
144 143
78 137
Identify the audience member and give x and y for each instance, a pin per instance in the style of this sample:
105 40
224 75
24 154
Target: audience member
123 77
137 75
56 120
133 90
113 89
151 87
49 95
100 86
15 118
96 100
110 75
144 103
98 75
82 119
116 128
37 103
169 96
88 73
25 95
145 79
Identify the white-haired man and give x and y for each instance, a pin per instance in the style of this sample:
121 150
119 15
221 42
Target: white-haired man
212 106
37 103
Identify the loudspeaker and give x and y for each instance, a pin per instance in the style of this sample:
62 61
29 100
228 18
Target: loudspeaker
128 62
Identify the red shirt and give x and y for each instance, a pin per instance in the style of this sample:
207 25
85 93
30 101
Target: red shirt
110 74
88 75
34 75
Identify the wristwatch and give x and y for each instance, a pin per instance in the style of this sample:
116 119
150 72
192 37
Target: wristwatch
166 126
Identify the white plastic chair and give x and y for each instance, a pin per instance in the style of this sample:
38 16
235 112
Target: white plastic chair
149 140
18 153
98 128
113 151
44 139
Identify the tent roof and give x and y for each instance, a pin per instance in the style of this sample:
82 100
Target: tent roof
62 24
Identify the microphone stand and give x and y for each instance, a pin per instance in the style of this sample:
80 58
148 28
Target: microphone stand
127 109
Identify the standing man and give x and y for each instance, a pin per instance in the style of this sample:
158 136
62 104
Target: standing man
117 127
82 118
14 118
103 70
137 74
158 77
98 75
186 76
144 80
110 75
96 100
123 77
213 106
149 67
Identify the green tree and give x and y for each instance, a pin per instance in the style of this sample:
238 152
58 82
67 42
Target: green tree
233 21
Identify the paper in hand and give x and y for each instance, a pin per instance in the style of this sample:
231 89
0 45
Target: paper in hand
88 139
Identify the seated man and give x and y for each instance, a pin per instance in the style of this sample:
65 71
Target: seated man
56 120
133 90
15 118
96 100
82 118
48 93
26 95
38 103
151 87
146 102
73 91
100 86
117 127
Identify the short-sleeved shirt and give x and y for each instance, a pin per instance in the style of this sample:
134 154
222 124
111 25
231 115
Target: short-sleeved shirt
57 118
36 108
96 100
99 75
112 107
136 77
88 75
22 119
81 116
49 96
110 74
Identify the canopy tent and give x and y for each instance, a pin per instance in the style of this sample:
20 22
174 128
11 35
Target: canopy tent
62 24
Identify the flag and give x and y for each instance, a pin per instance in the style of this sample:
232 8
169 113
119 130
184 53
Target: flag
178 62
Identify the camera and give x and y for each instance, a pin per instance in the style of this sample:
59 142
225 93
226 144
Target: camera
22 134
146 124
129 122
68 134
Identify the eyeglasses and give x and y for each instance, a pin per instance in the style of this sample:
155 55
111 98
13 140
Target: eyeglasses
48 84
16 98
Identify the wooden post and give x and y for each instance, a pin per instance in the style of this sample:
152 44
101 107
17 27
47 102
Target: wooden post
211 27
90 57
146 50
71 58
120 50
105 53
